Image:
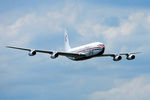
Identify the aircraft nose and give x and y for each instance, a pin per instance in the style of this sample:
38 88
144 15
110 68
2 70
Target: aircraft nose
103 49
103 46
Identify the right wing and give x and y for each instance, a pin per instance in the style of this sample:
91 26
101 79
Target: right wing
113 54
117 57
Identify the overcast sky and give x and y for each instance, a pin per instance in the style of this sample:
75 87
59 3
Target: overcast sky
122 25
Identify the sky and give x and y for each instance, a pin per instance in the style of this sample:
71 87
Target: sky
122 25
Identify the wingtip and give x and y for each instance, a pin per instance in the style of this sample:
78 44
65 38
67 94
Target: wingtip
7 46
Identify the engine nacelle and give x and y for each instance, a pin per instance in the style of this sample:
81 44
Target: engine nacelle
54 55
117 58
32 53
130 57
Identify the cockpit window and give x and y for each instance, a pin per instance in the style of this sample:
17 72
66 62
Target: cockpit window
100 45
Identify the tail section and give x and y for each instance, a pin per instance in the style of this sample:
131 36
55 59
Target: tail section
67 45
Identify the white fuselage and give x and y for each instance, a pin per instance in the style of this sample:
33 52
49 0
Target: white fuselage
90 50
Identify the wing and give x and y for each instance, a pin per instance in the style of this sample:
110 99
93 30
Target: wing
33 52
117 57
115 54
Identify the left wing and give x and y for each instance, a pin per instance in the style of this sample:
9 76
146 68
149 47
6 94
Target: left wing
54 54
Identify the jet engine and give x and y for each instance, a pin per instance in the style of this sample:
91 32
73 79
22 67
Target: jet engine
54 55
117 58
130 57
32 53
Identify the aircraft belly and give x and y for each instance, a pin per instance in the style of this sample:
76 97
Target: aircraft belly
89 54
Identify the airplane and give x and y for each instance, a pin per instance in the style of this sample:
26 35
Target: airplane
84 52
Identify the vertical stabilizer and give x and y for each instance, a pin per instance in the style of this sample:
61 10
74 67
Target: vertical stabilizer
67 45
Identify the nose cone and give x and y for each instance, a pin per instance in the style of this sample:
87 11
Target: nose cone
103 49
102 45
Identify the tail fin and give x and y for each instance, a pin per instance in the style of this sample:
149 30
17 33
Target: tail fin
67 45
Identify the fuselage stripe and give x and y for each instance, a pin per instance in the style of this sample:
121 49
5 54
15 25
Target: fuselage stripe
90 49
